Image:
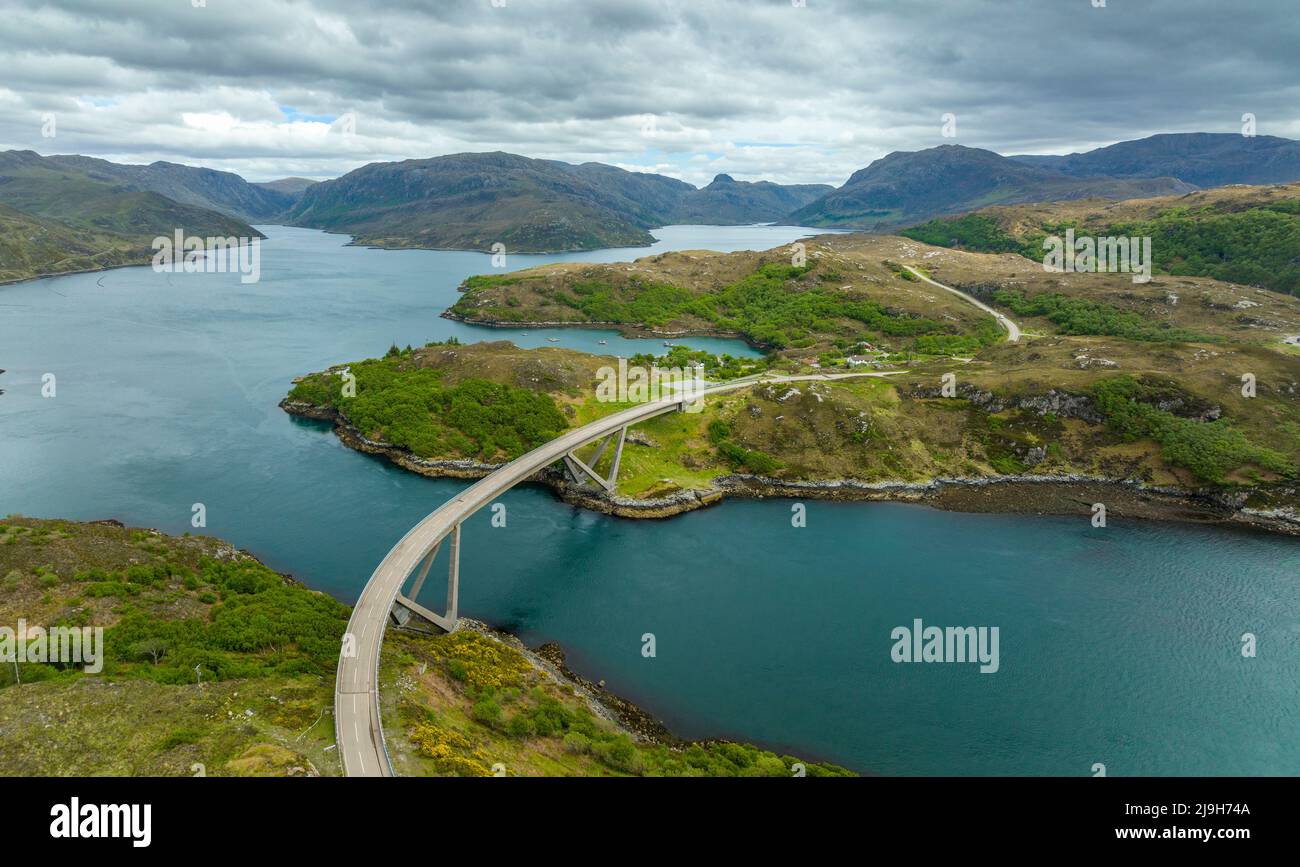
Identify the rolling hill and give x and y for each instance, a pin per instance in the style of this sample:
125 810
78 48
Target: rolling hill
1239 234
32 246
224 192
471 201
58 218
909 187
1200 158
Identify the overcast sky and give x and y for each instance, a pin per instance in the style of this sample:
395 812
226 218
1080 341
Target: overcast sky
761 89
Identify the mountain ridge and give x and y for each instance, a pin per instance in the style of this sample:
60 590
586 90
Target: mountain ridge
223 192
1201 158
58 218
475 200
906 187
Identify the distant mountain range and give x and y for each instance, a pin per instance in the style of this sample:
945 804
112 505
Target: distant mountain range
727 201
1201 158
471 201
905 188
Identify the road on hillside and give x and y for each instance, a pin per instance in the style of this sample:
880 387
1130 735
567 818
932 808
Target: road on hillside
1012 329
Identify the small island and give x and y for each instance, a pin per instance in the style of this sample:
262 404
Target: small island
1116 395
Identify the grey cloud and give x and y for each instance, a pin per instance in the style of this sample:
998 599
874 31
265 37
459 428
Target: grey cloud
840 81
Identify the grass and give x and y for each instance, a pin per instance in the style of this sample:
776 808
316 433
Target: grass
1245 235
796 311
266 649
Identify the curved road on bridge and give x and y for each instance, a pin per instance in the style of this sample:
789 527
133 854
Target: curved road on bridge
358 727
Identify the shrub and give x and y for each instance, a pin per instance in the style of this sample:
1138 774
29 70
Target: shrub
1209 449
620 753
520 726
486 711
1080 316
180 737
451 751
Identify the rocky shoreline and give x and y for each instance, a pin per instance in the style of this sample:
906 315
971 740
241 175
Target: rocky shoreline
1019 494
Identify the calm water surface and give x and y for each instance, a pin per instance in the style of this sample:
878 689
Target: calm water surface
1118 646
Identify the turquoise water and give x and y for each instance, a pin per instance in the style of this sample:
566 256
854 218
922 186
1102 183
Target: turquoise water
1118 646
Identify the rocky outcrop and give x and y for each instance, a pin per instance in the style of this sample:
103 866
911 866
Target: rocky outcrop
1062 404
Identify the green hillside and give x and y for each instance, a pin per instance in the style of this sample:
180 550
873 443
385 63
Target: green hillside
58 219
1248 235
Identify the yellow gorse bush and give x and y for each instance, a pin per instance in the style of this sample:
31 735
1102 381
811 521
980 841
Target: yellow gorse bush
487 663
450 750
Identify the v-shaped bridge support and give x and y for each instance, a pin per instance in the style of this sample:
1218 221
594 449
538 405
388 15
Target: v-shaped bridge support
579 468
406 606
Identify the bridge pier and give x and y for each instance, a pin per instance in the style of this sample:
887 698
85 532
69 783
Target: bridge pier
579 468
405 609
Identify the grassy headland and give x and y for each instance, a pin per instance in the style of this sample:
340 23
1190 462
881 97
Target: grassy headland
1060 407
831 303
263 646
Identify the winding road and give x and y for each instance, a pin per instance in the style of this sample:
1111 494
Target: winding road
1013 330
358 727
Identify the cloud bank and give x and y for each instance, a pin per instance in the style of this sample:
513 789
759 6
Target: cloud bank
763 89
